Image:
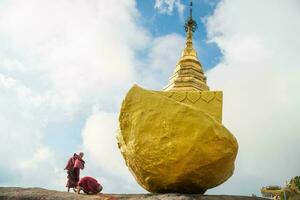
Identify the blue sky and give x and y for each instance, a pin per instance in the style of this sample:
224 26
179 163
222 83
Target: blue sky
163 23
65 67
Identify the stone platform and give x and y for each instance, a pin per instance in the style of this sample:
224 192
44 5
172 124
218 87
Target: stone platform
14 193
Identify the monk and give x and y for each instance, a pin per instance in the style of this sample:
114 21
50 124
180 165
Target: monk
89 185
74 164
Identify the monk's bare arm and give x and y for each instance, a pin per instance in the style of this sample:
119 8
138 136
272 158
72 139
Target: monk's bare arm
79 189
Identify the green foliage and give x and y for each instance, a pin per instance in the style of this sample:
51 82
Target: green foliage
273 187
297 181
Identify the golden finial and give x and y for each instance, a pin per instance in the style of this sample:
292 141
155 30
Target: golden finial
190 27
190 23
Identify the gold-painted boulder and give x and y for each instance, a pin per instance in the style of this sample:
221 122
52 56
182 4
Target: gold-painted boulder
171 145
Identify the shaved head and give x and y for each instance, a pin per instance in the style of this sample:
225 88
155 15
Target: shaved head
81 154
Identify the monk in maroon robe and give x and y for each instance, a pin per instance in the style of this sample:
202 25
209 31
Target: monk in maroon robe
89 185
73 167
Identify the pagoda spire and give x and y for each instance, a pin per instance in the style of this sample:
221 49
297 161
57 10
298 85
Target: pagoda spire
190 27
188 74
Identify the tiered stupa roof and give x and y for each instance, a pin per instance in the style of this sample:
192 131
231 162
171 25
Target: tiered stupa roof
188 74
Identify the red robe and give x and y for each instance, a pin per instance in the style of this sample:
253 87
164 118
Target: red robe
73 167
89 185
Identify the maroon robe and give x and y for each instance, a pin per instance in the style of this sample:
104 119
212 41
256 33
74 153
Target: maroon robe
89 185
73 167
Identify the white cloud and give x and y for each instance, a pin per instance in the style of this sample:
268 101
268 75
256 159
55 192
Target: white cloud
167 7
164 53
59 60
180 8
99 139
259 75
166 50
164 6
68 35
44 164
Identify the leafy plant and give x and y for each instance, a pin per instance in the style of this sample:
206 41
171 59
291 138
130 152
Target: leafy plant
297 181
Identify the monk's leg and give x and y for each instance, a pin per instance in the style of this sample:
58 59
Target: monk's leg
76 174
72 180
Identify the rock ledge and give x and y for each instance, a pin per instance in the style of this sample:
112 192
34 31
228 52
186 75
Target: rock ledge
15 193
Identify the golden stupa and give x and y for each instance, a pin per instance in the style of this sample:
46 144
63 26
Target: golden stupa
174 140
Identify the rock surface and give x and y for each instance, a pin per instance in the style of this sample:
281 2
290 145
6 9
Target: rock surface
172 146
14 193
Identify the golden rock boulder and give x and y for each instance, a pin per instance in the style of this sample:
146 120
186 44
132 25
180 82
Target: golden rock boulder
170 144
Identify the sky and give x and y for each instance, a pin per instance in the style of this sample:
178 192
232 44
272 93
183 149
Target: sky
65 67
